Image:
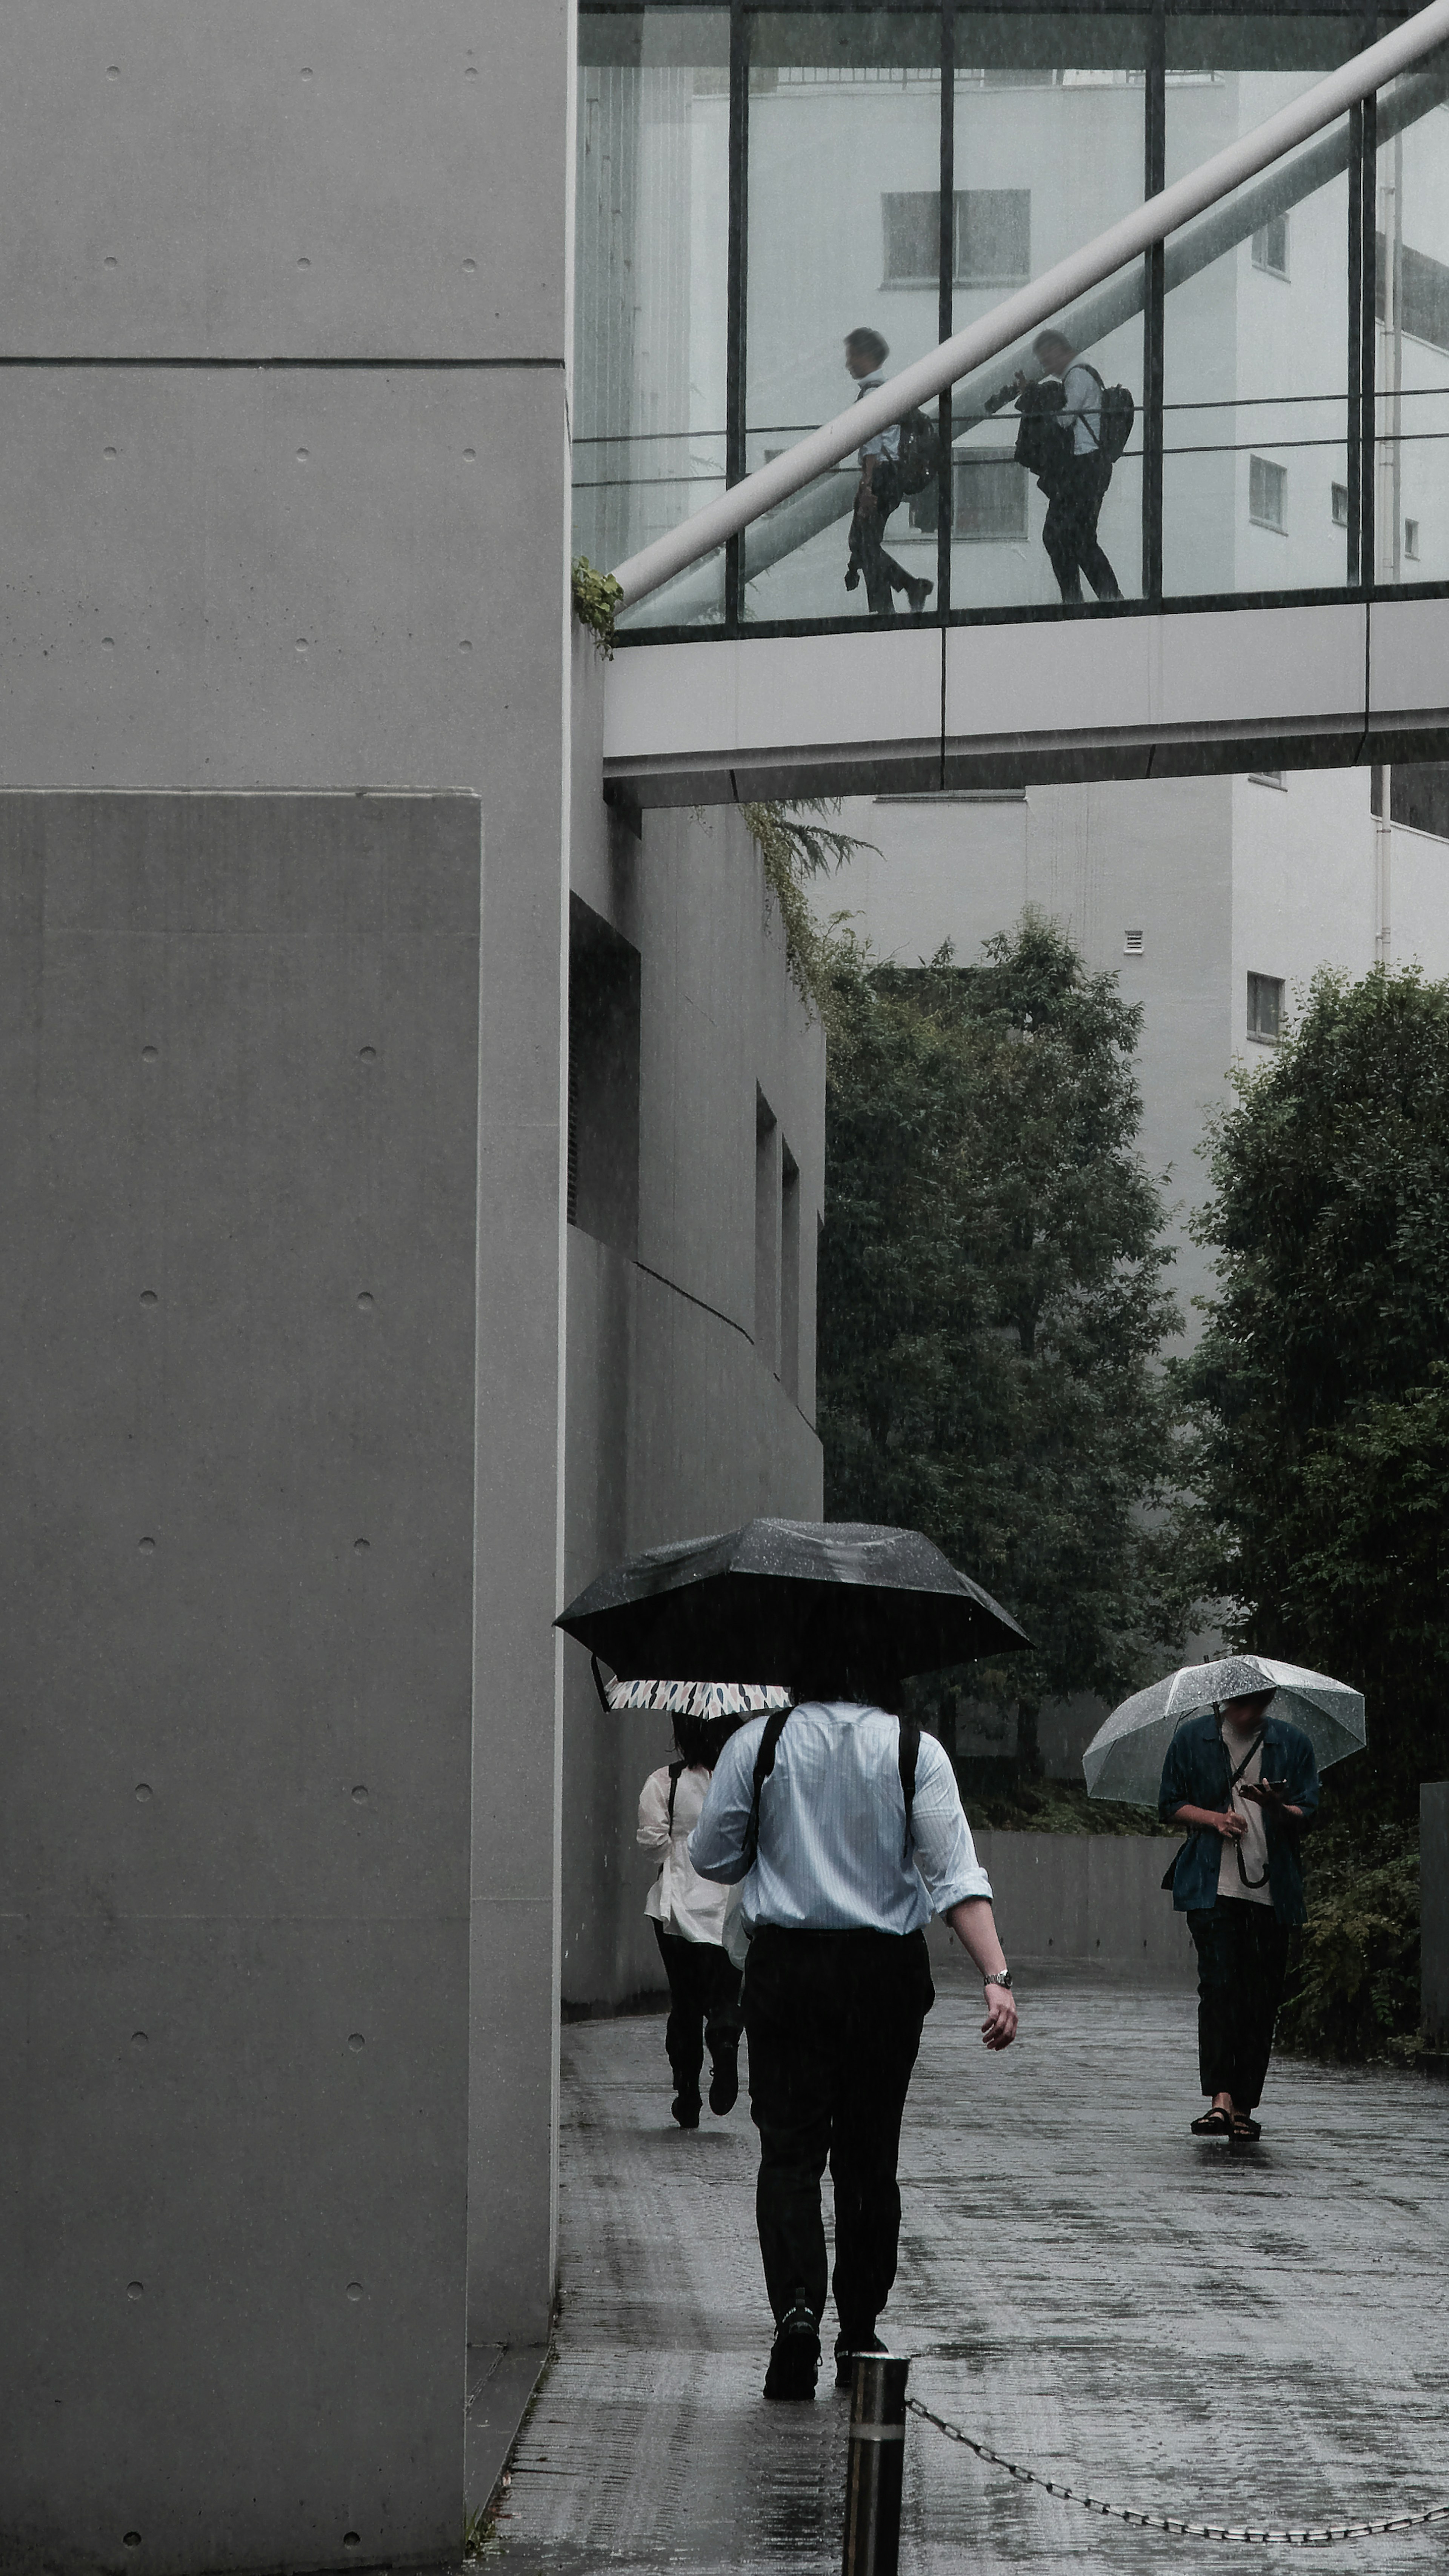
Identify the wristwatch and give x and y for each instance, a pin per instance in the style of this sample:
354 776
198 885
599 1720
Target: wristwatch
998 1977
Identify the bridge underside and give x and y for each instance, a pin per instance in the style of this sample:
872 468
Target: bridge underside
907 709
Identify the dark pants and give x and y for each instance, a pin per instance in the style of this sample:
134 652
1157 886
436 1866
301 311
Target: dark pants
704 2004
1070 533
834 2024
867 542
1242 1953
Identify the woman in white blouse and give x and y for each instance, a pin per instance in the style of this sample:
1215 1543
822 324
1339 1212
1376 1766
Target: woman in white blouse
688 1913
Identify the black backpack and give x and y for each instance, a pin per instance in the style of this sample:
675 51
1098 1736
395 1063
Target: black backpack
1116 416
920 453
910 1746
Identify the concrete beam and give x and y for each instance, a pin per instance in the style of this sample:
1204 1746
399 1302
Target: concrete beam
1023 703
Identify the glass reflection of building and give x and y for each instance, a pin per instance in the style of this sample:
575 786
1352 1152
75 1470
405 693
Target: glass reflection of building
754 182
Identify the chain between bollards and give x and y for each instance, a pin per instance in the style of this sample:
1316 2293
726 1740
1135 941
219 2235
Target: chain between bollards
874 2464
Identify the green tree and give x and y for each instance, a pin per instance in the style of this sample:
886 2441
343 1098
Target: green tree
1321 1458
992 1298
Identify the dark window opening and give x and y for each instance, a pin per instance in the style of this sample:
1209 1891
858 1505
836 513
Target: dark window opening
1423 296
789 1369
1340 505
1419 796
767 1232
991 232
1268 494
1265 1008
1270 246
603 1081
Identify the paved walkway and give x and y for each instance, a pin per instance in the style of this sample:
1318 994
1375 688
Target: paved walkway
1233 2335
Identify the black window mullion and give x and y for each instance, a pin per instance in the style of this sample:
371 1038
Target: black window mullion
945 315
735 293
1363 182
1154 312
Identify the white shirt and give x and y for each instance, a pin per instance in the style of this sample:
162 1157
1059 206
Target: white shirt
886 442
832 1826
1082 408
1253 1844
680 1899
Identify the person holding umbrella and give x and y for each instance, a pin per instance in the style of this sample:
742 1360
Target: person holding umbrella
842 1829
1245 1783
858 1841
688 1913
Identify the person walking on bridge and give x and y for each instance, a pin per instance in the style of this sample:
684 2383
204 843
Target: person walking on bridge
878 492
843 1827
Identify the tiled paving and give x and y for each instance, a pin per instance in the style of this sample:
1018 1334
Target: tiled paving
1259 2335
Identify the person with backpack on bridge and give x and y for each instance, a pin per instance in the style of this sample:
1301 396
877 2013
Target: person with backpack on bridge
843 1828
1073 430
893 465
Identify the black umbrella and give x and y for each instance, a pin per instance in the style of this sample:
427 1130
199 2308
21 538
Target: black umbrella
742 1602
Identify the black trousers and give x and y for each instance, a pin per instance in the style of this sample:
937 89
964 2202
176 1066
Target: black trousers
1070 532
867 541
704 2004
834 2025
1242 1954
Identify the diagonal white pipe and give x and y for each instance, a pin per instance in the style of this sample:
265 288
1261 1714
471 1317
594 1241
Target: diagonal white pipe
1048 294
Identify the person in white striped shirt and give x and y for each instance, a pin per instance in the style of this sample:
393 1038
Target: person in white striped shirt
861 1839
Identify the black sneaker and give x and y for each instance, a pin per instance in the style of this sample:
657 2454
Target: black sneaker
917 594
724 2082
794 2355
686 2107
846 2348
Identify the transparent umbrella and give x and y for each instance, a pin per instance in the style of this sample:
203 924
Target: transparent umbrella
1125 1757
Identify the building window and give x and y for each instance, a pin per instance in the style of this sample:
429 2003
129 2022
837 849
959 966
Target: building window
993 236
1423 296
1411 539
1268 778
991 230
1265 1008
789 1368
1270 247
767 1232
911 219
1133 943
603 1081
1418 796
1268 494
1340 505
988 498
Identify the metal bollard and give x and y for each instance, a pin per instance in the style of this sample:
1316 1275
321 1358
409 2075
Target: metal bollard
874 2465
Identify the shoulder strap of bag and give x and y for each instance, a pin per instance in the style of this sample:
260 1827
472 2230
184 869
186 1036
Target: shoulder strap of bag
676 1771
764 1765
910 1746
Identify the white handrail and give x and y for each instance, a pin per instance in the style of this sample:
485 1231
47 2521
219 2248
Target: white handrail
1057 287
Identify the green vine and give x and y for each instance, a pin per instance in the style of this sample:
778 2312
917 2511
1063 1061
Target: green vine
597 602
793 847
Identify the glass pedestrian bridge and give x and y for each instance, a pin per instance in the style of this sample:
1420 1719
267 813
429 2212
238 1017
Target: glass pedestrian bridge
1241 217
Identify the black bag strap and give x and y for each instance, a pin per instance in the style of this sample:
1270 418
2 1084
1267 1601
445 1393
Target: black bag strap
1255 1747
909 1750
764 1765
676 1770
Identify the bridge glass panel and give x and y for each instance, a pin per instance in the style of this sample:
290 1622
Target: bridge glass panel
651 290
1260 491
1411 331
1049 149
843 234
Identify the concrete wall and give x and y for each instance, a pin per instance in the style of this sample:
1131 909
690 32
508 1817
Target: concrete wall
239 1209
678 1422
1093 1899
285 451
1434 1897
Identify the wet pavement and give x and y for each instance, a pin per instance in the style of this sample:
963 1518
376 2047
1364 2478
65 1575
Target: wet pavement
1230 2335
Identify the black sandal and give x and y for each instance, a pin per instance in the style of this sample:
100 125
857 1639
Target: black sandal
1216 2123
1246 2132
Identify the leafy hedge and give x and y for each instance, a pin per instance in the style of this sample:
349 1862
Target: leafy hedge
1353 1990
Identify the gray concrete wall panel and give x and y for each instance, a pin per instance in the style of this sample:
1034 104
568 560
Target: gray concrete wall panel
238 1181
1088 1898
316 579
292 178
1434 1889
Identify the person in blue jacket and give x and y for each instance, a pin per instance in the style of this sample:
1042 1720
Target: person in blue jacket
1245 1784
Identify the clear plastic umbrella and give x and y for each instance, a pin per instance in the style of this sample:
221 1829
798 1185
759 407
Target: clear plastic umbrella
1125 1757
